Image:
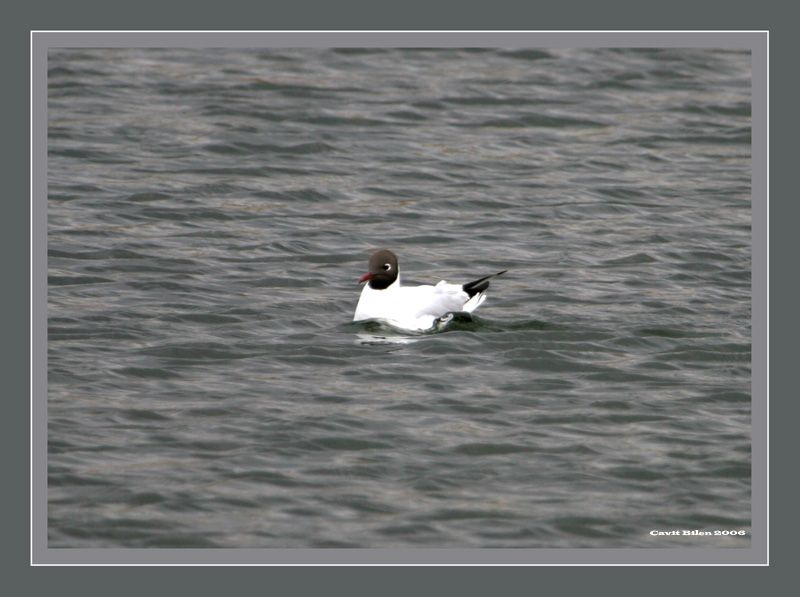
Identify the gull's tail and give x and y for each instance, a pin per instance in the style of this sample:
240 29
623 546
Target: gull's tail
479 285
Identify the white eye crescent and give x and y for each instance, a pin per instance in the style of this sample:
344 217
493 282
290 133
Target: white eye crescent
387 266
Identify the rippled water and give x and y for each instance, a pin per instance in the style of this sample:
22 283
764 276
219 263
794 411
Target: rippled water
210 212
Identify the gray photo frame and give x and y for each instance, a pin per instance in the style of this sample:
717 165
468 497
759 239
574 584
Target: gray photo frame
756 554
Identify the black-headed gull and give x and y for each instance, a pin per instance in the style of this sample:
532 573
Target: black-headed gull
415 308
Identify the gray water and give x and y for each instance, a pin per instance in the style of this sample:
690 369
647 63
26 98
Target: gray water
210 213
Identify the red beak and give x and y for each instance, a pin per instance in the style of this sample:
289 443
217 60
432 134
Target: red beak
365 277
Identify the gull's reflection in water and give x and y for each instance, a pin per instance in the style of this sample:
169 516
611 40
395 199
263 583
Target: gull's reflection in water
384 340
382 333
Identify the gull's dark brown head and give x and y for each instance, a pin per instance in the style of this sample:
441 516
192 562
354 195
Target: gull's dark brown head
383 270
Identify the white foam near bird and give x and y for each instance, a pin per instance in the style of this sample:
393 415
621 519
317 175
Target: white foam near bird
413 308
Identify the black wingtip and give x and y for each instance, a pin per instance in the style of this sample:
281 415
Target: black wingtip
481 284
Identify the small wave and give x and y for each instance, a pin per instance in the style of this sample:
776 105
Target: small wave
71 280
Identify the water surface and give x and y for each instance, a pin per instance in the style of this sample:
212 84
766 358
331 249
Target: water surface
210 213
